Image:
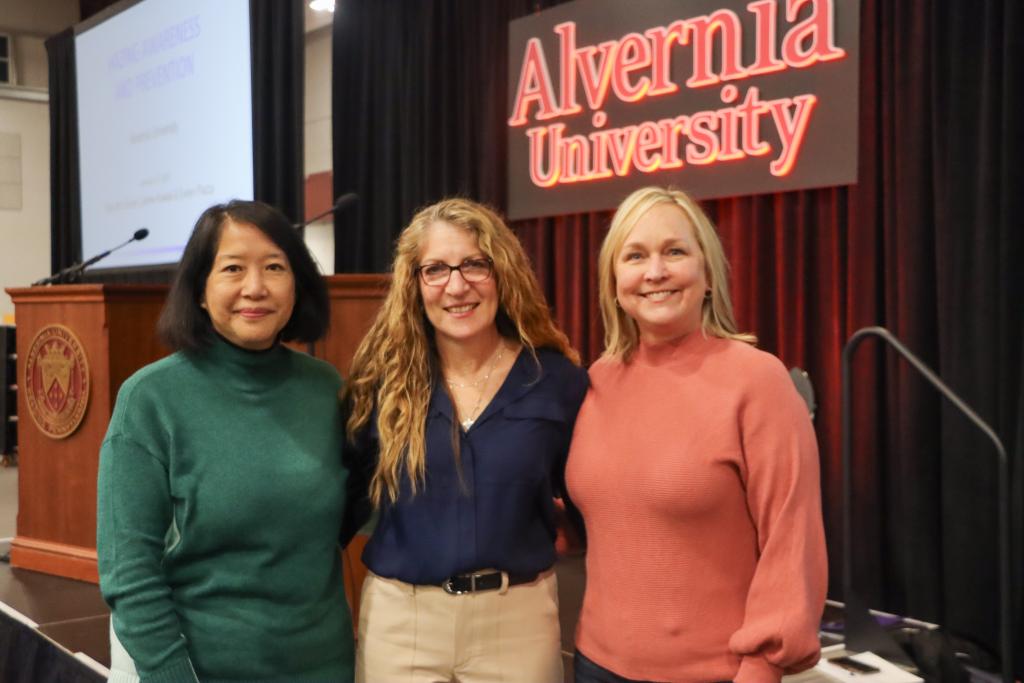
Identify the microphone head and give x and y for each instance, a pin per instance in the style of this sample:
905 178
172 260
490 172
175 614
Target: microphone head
346 200
141 234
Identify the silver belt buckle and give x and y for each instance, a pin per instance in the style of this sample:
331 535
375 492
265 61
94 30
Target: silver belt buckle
450 590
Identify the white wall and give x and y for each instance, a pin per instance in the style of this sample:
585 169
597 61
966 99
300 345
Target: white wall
318 101
30 63
30 23
25 232
319 235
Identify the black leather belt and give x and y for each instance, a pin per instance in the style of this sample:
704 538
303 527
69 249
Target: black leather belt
482 581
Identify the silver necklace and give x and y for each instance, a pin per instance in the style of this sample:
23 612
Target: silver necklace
482 383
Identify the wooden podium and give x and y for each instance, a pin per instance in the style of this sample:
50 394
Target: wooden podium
115 326
355 300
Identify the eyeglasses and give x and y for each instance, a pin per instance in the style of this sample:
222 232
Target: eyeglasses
472 270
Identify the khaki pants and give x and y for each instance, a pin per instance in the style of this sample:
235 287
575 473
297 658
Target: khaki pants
420 634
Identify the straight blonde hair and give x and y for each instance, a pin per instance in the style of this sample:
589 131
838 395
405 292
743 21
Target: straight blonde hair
621 335
396 364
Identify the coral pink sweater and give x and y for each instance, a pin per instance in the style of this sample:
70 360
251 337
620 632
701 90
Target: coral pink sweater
696 469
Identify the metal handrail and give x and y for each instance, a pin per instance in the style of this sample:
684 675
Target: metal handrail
1005 626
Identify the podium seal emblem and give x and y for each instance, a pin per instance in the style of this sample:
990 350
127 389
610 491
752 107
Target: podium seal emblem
56 381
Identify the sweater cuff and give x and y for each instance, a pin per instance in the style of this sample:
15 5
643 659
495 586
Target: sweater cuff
757 670
176 671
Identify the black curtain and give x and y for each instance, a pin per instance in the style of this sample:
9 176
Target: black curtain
276 30
977 88
419 113
65 208
278 88
927 243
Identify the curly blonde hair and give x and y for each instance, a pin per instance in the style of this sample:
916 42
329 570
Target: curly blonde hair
396 364
621 335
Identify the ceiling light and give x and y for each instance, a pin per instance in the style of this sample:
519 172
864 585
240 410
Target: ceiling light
321 5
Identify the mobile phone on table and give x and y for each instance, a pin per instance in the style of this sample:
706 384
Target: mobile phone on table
853 666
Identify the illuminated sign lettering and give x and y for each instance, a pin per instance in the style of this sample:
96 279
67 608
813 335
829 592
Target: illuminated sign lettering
717 97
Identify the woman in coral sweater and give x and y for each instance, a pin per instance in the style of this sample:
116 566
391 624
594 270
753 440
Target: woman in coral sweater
695 466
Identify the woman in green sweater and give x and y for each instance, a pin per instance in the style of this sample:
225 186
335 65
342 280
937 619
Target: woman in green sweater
221 490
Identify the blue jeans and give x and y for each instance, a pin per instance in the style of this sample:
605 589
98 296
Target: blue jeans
586 671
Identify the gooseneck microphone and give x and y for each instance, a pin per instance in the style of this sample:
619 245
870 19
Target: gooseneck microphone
73 272
340 204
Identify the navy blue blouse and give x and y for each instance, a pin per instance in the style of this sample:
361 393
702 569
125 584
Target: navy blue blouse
501 515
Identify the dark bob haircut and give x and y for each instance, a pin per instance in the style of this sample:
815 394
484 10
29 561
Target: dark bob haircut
185 325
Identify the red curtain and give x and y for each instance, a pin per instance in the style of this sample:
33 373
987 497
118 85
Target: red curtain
923 244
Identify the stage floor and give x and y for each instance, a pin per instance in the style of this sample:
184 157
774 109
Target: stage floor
67 614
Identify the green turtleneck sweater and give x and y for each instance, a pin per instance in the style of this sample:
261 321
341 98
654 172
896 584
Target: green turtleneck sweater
221 495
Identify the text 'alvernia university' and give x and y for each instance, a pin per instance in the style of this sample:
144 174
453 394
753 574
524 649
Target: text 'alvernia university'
637 66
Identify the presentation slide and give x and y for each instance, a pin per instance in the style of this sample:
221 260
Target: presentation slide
164 124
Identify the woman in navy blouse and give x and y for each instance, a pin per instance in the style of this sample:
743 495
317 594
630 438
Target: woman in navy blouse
461 401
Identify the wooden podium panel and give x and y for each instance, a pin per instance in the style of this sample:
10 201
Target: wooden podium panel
355 300
116 327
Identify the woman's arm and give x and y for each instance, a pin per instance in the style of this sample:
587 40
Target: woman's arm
787 593
134 528
575 387
360 458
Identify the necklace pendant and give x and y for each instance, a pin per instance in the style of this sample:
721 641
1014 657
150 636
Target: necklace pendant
467 423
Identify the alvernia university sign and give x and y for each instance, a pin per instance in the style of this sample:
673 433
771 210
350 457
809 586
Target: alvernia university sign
719 98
